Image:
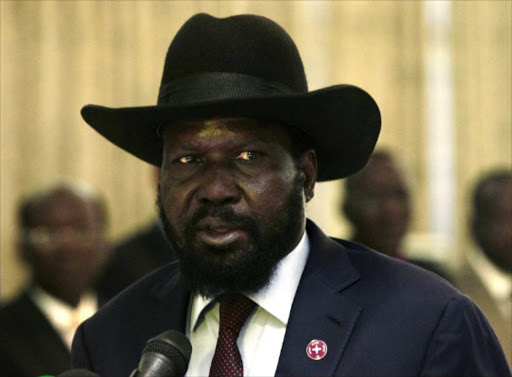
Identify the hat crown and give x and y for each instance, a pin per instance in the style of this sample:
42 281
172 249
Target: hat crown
244 44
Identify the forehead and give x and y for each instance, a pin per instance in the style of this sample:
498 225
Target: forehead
235 129
381 172
61 208
497 194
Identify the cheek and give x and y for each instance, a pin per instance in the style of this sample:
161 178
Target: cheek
172 198
270 194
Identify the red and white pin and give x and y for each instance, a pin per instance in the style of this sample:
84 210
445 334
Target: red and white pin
316 349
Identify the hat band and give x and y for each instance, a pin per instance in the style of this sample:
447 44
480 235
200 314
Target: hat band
213 86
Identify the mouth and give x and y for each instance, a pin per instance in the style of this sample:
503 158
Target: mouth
218 233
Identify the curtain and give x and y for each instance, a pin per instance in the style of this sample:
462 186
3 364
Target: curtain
57 56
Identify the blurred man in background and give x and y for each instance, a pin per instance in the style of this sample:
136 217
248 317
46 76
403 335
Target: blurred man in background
377 205
62 239
135 256
486 274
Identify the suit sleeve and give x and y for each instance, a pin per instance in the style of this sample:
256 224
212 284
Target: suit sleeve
464 344
79 353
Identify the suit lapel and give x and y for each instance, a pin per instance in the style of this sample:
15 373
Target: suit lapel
172 300
45 351
165 304
320 311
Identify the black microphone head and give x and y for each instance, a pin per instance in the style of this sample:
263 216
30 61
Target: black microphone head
165 355
78 373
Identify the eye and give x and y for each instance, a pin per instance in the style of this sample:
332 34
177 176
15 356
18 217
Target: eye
188 159
247 155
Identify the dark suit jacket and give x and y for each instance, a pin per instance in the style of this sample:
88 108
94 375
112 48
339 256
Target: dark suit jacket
29 345
133 258
378 316
432 266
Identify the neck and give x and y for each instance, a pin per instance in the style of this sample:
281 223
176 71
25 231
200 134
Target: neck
390 250
70 297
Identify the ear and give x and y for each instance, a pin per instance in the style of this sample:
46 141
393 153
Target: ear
309 169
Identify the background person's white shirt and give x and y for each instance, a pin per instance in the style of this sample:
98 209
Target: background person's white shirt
63 317
496 281
262 336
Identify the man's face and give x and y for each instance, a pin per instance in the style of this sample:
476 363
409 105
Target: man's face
232 199
67 247
382 209
493 226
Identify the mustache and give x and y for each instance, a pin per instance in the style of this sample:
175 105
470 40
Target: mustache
223 212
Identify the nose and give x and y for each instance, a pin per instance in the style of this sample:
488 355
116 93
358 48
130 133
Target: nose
394 204
219 185
73 241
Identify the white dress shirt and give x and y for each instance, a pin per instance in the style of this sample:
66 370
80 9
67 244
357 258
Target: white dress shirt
496 281
262 336
63 317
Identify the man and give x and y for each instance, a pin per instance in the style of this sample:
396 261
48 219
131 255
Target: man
258 289
377 205
62 240
133 257
486 274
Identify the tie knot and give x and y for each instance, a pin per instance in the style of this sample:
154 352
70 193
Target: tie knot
234 311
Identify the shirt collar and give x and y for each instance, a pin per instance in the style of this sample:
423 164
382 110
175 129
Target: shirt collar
498 282
59 313
277 297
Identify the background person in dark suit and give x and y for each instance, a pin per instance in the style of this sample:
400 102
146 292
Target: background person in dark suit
241 143
377 204
486 272
135 256
62 238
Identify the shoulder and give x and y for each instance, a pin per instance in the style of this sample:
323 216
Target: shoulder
21 322
415 311
381 285
433 266
396 278
372 270
153 297
13 311
111 340
144 291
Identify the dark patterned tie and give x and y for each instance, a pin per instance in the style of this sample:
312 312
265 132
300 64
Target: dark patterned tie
227 361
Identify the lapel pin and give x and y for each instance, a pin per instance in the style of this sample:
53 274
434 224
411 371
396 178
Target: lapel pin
316 349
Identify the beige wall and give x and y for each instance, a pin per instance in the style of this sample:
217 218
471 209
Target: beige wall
482 41
57 56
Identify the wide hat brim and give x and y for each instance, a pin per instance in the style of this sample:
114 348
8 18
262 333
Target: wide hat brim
343 122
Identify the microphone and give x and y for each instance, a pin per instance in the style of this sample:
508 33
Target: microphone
165 355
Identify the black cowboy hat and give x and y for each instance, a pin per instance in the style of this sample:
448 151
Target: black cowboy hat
246 66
